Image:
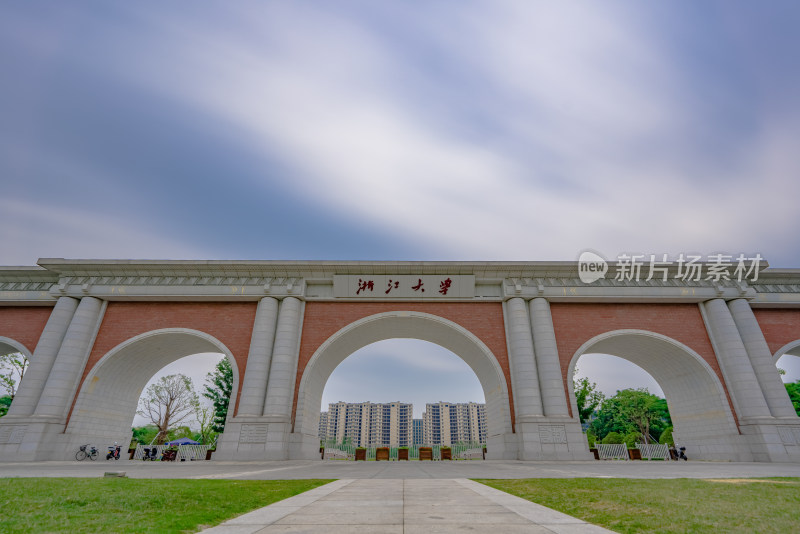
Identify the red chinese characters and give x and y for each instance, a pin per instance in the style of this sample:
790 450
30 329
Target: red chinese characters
365 285
445 286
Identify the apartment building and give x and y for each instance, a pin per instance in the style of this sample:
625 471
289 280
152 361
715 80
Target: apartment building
446 423
368 424
417 433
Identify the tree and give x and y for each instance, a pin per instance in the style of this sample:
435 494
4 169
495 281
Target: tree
5 402
632 410
205 418
168 402
12 369
587 397
144 434
793 389
643 409
218 388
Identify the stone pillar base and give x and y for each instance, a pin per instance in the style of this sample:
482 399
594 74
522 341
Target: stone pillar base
502 447
303 447
254 438
772 439
551 438
35 438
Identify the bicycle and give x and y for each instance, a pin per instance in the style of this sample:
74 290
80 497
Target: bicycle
82 454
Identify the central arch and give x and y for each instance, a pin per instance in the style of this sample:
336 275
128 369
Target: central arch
107 401
409 325
701 415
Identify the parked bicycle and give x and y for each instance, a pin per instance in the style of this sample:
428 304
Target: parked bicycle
86 451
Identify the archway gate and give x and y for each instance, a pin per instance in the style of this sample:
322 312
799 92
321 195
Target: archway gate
96 331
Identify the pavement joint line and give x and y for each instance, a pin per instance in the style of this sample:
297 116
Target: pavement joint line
244 474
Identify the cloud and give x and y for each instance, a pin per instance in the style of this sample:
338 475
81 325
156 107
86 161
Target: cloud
591 136
30 230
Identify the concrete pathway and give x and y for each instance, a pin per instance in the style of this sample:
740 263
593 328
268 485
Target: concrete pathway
335 469
411 506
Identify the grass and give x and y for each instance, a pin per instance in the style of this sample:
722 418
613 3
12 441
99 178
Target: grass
123 505
672 505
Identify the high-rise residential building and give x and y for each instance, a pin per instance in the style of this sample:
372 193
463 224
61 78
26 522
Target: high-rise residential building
368 424
446 423
418 435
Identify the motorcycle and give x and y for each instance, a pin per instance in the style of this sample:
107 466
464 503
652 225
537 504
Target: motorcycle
113 452
150 454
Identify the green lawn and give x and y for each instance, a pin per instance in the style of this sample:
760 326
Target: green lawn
123 505
674 505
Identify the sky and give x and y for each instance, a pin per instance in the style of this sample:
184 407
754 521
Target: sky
444 130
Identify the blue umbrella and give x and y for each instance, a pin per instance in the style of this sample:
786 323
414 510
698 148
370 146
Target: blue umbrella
182 441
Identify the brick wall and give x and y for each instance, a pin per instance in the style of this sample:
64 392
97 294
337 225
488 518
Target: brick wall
323 319
24 324
229 322
575 324
780 326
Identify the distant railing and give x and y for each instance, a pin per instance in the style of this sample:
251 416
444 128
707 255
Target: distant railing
459 451
612 451
654 450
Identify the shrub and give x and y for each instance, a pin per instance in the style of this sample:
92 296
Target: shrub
666 437
613 437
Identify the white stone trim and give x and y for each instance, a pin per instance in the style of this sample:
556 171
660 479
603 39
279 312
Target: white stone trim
724 425
82 419
16 345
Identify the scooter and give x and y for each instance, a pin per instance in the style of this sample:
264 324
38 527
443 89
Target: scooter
150 454
113 452
679 454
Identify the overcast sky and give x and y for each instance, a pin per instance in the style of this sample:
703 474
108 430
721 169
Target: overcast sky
398 131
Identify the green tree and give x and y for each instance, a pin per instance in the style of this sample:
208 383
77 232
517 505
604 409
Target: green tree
144 434
5 402
632 410
12 369
613 437
793 389
586 397
205 418
666 437
218 388
169 402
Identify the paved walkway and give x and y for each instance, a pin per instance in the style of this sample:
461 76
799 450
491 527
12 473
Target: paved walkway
404 507
299 469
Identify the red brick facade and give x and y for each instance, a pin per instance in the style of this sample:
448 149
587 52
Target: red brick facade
229 322
24 324
323 319
780 327
576 324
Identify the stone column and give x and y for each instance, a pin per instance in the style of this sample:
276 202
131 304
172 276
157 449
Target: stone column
761 359
70 361
254 385
527 399
734 361
280 387
548 365
32 384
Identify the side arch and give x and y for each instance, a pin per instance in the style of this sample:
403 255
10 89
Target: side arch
403 324
9 346
701 414
107 401
792 348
